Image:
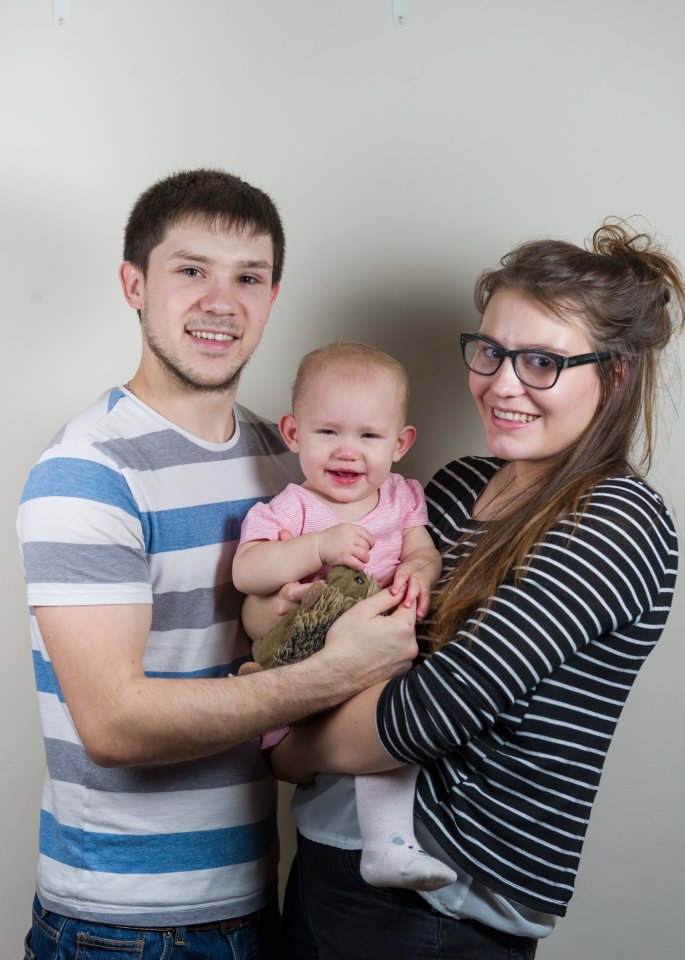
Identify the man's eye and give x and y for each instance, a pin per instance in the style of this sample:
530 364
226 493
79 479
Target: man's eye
249 280
191 271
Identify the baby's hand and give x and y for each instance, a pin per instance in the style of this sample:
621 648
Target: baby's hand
345 544
414 579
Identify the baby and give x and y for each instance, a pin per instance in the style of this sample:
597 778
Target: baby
348 426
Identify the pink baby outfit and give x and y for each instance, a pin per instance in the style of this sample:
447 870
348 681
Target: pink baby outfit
401 505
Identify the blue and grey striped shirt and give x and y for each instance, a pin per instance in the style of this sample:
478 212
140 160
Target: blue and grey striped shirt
126 508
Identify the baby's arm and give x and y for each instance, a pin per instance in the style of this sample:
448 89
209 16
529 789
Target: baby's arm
262 567
419 568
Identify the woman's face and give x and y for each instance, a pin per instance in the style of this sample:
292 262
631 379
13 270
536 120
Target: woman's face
533 427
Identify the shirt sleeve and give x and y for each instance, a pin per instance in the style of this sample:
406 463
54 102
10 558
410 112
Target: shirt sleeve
594 576
81 533
263 521
415 513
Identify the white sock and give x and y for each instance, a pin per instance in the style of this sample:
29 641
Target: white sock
391 855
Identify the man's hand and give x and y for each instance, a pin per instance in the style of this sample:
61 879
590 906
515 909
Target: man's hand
370 646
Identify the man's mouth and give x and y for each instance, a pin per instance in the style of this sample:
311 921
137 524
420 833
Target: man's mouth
207 335
515 416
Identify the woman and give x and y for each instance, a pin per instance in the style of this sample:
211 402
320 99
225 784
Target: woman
559 568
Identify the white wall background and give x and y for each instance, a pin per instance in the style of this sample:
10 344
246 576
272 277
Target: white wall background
403 162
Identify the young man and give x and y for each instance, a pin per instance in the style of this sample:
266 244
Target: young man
158 819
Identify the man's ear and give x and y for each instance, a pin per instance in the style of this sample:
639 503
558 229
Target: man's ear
133 284
288 427
405 442
275 290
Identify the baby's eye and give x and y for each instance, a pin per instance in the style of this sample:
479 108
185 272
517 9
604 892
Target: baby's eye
370 436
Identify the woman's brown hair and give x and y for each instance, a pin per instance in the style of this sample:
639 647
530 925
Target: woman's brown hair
629 295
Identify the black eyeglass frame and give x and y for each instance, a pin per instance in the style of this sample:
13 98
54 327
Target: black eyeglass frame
561 363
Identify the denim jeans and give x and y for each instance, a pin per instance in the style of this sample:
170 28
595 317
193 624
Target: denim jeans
330 913
54 937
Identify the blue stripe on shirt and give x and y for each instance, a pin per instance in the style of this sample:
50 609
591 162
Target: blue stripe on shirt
155 853
47 682
199 526
84 479
46 679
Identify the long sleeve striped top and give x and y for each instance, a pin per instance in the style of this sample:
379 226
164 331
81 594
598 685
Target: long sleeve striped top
512 722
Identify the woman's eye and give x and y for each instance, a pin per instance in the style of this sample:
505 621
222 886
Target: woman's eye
539 361
491 353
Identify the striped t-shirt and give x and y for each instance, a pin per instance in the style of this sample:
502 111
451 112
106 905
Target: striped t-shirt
512 721
126 508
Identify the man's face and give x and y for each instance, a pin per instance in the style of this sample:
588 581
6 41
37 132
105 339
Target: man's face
204 303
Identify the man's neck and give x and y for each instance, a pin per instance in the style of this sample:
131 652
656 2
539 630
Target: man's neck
207 415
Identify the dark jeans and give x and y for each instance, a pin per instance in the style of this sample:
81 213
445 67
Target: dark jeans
330 913
54 937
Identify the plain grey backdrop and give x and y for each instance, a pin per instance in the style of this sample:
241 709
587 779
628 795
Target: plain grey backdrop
403 161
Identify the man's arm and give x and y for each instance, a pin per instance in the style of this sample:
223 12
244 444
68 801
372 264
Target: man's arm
127 719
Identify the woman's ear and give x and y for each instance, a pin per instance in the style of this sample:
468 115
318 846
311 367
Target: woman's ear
288 427
405 442
619 374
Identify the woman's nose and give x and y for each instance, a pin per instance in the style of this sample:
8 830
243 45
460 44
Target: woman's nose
505 381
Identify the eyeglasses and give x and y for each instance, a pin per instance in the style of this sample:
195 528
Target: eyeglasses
538 369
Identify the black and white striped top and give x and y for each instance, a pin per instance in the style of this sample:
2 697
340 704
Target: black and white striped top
512 723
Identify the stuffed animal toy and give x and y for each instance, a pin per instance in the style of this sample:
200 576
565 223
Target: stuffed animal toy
303 631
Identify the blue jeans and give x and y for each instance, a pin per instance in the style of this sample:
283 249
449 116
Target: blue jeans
54 937
330 913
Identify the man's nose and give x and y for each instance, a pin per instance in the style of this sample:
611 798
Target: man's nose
219 297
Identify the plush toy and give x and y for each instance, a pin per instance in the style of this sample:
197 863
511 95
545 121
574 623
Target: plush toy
303 631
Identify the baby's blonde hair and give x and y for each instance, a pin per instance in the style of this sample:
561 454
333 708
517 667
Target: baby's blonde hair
352 353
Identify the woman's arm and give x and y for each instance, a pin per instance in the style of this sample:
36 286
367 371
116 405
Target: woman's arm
593 577
340 741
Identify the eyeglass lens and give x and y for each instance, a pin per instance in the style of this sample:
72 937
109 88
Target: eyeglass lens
533 369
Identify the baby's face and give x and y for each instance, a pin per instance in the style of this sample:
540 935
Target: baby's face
348 429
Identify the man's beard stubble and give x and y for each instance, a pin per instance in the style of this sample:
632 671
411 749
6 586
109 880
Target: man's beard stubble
183 377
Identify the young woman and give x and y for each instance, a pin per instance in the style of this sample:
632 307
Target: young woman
559 569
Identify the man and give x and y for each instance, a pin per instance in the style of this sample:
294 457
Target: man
158 819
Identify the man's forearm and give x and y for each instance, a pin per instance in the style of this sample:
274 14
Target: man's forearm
160 720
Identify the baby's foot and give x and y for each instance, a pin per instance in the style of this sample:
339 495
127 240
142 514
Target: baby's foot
401 863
